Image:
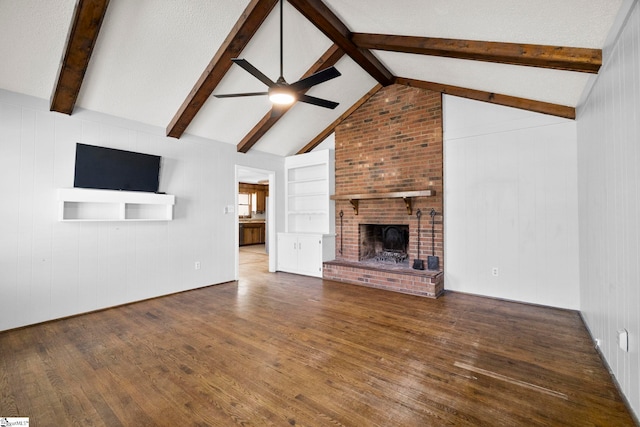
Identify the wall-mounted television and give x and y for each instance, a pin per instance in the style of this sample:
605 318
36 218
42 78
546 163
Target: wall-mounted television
112 169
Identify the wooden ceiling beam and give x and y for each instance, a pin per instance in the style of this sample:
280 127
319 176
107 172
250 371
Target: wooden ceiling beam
83 33
327 22
328 59
493 98
555 57
329 129
240 35
509 101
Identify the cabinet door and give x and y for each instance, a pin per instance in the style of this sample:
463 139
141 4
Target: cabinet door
255 235
287 252
310 255
247 236
260 201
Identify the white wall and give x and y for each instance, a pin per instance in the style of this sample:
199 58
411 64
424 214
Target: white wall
511 203
50 269
609 201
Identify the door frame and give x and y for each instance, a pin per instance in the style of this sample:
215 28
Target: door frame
271 215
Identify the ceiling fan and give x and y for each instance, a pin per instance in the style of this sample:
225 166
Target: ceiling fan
280 92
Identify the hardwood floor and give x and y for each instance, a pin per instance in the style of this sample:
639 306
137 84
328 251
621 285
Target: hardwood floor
280 349
253 258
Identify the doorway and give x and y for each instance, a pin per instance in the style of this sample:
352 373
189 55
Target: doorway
248 214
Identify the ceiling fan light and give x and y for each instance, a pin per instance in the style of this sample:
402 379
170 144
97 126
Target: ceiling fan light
281 97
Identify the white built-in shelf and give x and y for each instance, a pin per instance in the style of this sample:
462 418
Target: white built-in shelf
298 181
309 182
308 212
83 204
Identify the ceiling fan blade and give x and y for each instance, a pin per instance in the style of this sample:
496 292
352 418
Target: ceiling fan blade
254 71
236 95
315 79
317 101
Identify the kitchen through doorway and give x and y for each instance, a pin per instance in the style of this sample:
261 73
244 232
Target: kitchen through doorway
255 219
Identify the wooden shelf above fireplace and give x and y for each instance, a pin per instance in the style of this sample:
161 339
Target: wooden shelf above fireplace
406 196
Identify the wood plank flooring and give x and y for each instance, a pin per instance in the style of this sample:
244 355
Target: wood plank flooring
280 349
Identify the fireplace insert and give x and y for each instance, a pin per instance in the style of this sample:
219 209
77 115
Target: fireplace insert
384 242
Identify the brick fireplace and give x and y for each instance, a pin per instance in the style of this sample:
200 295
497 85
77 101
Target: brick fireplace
388 161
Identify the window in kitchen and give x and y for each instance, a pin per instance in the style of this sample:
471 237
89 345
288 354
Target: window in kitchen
244 205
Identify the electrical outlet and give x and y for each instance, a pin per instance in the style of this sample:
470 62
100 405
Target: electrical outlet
494 271
197 265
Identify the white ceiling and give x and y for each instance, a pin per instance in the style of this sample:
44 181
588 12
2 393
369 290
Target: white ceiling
150 53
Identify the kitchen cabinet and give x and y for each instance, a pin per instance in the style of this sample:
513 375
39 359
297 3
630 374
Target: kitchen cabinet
260 191
261 204
252 233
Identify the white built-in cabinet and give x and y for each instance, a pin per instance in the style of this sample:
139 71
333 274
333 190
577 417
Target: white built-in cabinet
303 253
310 214
83 204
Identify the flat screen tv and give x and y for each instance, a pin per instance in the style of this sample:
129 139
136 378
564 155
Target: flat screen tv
112 169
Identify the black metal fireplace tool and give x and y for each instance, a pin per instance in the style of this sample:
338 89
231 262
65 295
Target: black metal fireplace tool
432 260
418 264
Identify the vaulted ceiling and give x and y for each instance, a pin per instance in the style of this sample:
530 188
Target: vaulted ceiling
158 62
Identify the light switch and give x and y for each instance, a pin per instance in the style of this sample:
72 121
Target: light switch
623 339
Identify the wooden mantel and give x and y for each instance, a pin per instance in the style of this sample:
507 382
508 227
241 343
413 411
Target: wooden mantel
406 196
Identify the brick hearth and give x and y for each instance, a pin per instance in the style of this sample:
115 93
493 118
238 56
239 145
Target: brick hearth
392 143
416 282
